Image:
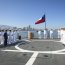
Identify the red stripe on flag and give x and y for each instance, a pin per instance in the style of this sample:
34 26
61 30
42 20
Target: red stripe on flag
41 20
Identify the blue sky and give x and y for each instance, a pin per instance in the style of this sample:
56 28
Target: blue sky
22 13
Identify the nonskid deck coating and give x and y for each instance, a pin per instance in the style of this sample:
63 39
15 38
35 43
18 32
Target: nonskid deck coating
42 45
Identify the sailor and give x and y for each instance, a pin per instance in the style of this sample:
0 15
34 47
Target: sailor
40 35
59 34
45 34
51 34
0 37
62 35
5 38
9 37
14 36
2 33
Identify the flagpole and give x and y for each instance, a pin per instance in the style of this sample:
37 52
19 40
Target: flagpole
45 24
45 21
45 17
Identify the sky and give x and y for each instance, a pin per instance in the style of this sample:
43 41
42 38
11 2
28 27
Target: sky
22 13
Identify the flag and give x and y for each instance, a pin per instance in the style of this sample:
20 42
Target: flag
41 20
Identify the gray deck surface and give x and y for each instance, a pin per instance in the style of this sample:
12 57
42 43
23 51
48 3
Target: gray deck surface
21 58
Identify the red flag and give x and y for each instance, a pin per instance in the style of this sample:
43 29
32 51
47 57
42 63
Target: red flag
40 20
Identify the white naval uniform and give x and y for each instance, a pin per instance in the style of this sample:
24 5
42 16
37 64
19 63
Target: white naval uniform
9 37
0 38
51 34
45 34
14 36
63 37
59 34
40 35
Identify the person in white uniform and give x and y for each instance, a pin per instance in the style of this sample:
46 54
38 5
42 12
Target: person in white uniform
14 36
10 37
40 35
0 37
51 34
45 34
2 41
59 34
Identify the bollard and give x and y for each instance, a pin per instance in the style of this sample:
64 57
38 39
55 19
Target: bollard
29 35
